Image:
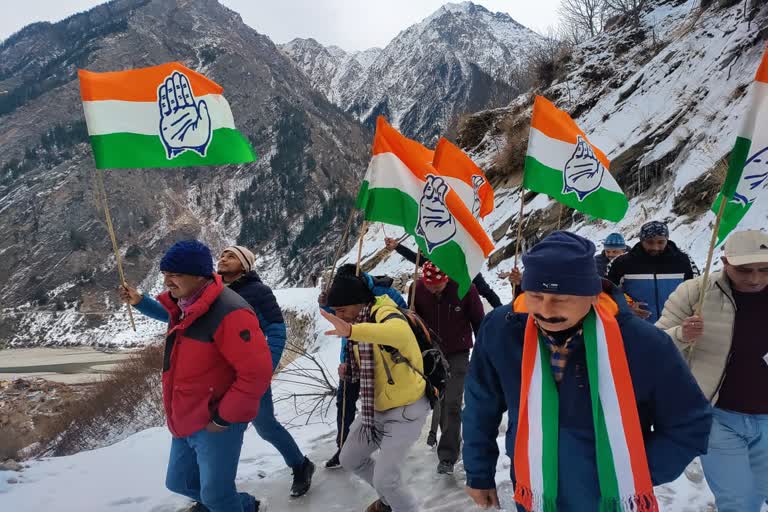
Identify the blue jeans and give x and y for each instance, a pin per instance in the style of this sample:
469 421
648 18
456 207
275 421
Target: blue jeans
736 465
275 434
203 468
346 406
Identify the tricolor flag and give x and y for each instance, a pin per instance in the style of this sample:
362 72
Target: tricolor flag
403 189
563 164
748 166
465 177
161 116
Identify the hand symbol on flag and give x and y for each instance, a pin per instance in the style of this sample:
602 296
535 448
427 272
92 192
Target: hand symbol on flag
583 173
184 123
477 182
436 223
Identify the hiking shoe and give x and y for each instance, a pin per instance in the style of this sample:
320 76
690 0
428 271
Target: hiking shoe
378 506
432 439
302 478
445 468
334 462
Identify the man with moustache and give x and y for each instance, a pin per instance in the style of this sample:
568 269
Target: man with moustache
235 266
652 269
602 406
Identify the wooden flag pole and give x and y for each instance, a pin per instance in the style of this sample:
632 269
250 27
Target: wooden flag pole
707 267
102 194
412 291
363 230
340 248
519 233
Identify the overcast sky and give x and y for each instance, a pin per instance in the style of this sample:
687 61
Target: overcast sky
350 24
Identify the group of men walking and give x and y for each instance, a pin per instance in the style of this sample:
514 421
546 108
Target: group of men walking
612 379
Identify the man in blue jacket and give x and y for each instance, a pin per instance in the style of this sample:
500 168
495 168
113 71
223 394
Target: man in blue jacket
613 247
561 287
235 266
652 269
349 392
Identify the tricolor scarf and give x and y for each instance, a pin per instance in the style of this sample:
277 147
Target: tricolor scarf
365 374
622 467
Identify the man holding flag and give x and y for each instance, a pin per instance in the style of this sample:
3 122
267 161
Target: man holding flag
588 428
730 363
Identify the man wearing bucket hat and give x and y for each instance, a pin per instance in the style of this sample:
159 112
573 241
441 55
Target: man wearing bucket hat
729 358
455 321
601 404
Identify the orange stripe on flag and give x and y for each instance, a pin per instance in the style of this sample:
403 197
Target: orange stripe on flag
762 71
521 462
140 84
451 161
626 393
418 159
555 123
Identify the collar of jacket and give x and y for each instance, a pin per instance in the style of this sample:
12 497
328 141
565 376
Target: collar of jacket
196 310
245 279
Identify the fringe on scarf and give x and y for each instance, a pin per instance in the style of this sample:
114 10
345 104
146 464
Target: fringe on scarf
644 502
534 502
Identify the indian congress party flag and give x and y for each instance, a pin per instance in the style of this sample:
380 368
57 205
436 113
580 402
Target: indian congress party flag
563 164
161 116
465 177
748 165
403 189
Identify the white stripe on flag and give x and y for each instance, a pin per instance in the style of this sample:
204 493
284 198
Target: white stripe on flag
536 428
388 171
612 412
117 116
554 153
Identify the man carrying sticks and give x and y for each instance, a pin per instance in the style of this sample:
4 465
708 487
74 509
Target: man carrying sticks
235 266
729 358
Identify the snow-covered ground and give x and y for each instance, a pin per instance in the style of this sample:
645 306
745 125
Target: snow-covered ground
129 476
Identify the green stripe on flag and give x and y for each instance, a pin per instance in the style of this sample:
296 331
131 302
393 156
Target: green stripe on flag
604 204
736 164
132 150
392 206
606 470
550 424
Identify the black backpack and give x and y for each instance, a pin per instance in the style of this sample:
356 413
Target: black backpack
436 370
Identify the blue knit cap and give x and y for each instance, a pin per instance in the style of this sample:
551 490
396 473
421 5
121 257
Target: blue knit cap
188 257
562 263
615 241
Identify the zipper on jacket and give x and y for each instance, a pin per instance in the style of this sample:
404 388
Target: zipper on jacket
730 348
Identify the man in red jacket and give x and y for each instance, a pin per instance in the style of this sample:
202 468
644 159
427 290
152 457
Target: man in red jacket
454 320
216 368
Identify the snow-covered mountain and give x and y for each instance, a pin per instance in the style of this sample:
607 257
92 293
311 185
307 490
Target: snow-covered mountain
456 61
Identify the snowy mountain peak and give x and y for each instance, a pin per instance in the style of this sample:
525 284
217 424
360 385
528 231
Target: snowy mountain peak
458 59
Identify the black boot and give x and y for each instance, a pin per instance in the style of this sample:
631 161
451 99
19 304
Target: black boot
302 478
334 462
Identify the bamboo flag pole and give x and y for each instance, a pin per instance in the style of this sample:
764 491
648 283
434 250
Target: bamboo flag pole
102 194
363 230
340 248
519 233
412 291
707 267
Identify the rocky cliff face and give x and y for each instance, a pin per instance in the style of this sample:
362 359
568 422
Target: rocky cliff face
458 60
56 255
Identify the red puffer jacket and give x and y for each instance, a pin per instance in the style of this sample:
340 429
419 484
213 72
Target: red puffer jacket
217 363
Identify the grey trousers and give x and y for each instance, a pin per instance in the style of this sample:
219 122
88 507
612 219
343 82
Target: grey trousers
402 426
447 414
